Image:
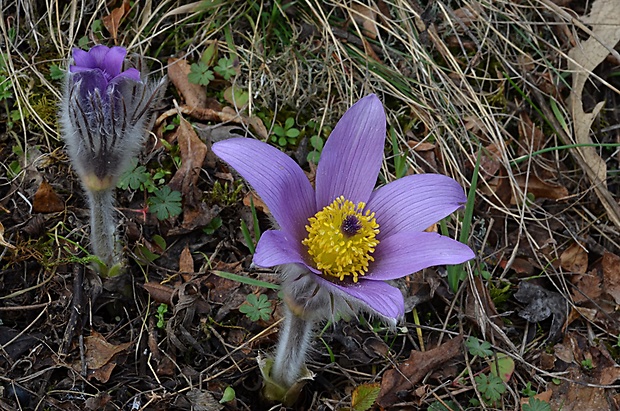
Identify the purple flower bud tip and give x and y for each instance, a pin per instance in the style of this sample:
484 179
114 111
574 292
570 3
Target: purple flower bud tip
108 61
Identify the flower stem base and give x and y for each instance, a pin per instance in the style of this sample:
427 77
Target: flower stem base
276 392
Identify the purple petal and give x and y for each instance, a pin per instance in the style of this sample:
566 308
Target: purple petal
98 55
90 80
277 179
414 203
131 73
407 252
276 248
374 295
82 59
351 158
112 62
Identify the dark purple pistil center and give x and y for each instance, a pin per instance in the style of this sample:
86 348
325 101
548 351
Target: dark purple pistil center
350 226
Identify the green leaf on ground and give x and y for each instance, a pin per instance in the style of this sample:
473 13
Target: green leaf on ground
166 203
364 396
490 386
256 308
478 348
534 404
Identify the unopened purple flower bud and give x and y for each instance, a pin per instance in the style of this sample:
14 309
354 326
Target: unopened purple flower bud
103 113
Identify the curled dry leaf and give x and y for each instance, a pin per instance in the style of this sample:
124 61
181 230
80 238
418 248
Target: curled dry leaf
575 259
100 356
113 21
540 188
193 152
194 95
583 59
414 369
541 304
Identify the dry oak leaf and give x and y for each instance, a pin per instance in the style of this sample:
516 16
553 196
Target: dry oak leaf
193 152
100 355
575 259
194 95
409 373
46 200
113 20
611 275
540 188
604 18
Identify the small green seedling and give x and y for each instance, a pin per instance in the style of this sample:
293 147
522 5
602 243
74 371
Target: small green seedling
528 391
5 88
214 224
161 310
287 134
166 203
56 73
587 364
490 386
256 308
200 74
229 395
225 68
478 348
136 177
317 144
534 404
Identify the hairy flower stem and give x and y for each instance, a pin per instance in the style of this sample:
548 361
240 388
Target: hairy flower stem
103 225
292 348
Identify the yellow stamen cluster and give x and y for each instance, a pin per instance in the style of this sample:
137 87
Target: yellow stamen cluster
341 239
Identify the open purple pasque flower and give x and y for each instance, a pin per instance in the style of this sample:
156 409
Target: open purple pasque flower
103 114
344 239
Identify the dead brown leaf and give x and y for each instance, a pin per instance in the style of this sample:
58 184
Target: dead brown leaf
193 152
414 369
611 275
3 241
186 261
367 17
113 21
216 115
583 59
569 396
46 200
195 95
575 259
194 218
256 200
99 356
159 292
531 137
540 188
588 287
